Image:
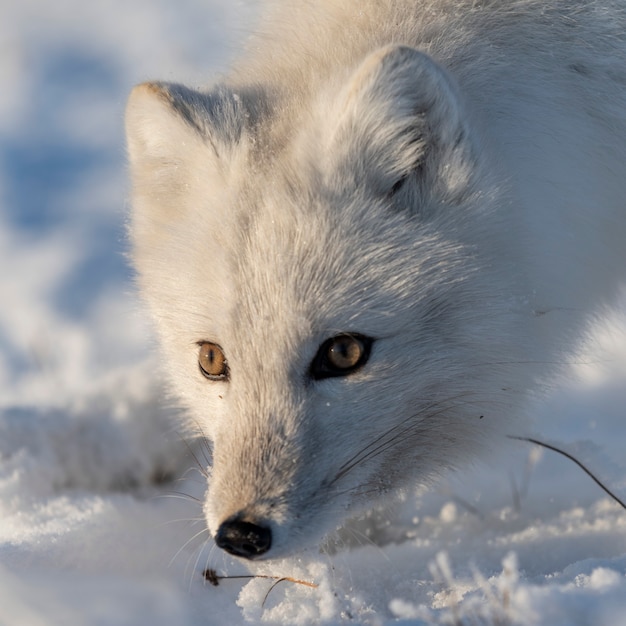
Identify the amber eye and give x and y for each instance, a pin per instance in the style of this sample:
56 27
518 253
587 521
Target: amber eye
212 361
341 355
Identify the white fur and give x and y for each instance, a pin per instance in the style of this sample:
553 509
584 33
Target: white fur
267 218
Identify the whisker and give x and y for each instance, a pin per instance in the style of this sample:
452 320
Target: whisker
192 538
354 460
179 495
190 520
206 447
208 560
389 438
190 471
205 444
195 565
201 467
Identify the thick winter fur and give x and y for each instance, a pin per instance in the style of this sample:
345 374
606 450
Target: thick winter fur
446 177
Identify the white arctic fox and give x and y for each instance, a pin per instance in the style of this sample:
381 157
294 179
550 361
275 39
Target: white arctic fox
368 245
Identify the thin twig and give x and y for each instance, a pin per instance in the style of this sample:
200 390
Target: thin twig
575 460
212 576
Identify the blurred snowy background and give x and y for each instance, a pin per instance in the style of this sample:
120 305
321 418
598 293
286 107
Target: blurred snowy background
88 531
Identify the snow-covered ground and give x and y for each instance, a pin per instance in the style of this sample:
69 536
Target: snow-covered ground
93 529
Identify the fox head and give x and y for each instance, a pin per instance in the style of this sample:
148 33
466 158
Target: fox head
317 270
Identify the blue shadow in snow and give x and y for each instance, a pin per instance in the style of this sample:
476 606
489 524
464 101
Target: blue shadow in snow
43 164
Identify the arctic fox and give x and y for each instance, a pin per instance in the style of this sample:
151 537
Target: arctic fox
370 243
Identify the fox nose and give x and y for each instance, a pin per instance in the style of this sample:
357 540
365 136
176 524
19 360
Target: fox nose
243 539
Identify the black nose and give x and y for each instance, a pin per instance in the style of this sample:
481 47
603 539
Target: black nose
243 538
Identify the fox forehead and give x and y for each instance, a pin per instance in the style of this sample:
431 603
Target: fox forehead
329 265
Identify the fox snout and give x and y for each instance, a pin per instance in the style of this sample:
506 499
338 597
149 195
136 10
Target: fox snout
244 539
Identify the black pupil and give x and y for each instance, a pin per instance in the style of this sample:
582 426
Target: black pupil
211 357
345 351
212 361
340 356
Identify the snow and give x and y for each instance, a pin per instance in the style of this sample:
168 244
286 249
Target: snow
100 518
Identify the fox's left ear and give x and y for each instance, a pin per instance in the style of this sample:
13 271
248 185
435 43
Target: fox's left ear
400 124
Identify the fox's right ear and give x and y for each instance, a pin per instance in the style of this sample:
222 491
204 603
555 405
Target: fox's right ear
183 148
167 123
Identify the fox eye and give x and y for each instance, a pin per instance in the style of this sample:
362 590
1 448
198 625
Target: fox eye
341 355
212 361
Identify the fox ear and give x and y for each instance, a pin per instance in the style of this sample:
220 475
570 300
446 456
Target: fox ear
399 120
167 123
183 146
